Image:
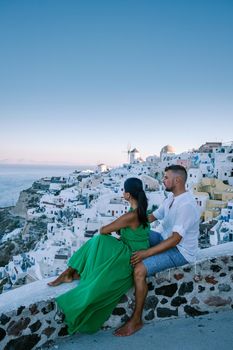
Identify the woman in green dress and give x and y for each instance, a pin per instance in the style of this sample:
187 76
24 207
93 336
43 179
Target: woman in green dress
103 266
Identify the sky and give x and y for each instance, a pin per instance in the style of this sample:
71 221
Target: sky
82 80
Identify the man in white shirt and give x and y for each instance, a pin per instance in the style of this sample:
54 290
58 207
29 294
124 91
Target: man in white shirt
177 244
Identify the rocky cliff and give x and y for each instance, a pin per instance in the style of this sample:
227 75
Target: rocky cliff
16 217
27 199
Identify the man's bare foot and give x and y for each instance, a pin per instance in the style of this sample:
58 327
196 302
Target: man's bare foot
66 277
128 328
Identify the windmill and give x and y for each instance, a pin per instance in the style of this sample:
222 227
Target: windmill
128 151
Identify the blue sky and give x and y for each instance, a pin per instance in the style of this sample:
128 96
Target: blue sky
79 80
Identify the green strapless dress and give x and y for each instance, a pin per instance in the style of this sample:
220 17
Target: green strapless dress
103 263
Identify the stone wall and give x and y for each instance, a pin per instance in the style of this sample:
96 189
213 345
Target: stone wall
29 319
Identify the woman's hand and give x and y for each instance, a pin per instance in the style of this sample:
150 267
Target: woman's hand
138 256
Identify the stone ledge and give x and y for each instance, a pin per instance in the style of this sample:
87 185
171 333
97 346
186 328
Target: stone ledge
29 317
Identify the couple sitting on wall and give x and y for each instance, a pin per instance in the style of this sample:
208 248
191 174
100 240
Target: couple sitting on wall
108 267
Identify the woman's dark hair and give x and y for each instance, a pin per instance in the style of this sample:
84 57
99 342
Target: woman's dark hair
134 186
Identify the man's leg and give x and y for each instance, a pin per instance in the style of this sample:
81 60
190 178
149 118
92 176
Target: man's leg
141 289
155 238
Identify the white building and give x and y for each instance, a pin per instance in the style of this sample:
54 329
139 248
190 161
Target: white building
223 169
134 156
150 184
194 176
101 168
153 159
201 199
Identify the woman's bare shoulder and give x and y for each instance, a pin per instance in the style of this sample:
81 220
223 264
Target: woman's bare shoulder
131 216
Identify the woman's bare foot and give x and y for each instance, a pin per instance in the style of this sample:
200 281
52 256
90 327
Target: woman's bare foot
66 277
76 276
128 328
60 279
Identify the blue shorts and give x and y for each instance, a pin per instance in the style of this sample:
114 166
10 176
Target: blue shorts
163 261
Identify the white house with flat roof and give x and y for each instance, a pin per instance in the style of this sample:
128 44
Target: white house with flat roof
194 177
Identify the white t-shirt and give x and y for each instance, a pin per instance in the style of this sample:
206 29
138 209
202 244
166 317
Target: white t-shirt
180 214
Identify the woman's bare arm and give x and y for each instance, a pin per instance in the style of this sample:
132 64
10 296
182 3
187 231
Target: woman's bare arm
123 221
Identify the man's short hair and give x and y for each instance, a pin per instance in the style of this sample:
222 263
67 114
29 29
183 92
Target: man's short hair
179 170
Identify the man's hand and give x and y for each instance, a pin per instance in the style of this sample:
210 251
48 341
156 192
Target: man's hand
138 256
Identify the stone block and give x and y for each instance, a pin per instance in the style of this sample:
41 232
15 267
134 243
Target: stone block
167 290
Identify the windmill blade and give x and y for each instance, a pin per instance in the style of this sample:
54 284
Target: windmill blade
128 150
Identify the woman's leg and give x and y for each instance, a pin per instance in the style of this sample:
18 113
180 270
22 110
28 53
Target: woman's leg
67 276
72 272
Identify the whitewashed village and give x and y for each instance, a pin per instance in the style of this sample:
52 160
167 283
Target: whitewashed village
76 206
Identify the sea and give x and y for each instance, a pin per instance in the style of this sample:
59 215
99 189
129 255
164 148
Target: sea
16 177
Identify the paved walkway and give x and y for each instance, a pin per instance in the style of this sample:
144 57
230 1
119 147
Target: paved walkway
209 332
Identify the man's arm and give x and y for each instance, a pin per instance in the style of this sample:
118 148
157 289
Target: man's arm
151 218
168 243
